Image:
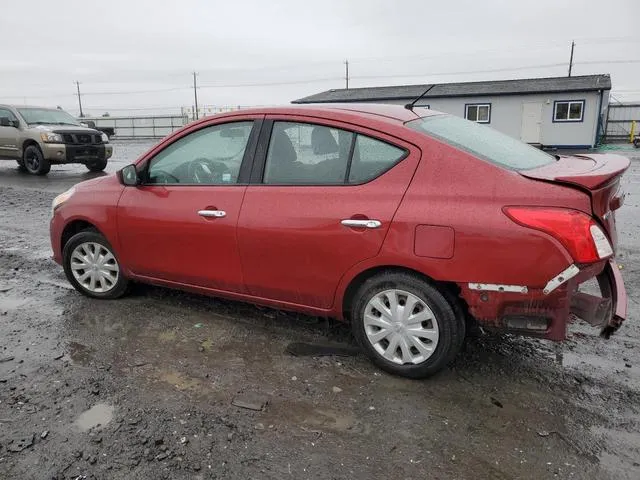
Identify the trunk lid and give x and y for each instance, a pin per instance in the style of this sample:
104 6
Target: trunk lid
597 174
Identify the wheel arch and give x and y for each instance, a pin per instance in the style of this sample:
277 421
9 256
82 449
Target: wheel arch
28 143
449 289
74 227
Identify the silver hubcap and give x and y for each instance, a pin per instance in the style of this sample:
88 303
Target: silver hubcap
401 327
94 267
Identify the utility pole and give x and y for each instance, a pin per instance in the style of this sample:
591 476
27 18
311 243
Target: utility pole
346 73
573 44
195 96
79 98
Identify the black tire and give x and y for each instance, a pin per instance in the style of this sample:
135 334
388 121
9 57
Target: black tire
21 166
451 325
636 142
34 162
121 284
97 166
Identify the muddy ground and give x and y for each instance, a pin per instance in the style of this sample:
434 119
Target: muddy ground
143 387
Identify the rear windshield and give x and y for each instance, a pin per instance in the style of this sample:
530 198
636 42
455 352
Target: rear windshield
482 141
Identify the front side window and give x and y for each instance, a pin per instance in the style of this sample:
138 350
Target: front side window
7 114
478 112
371 158
307 154
211 156
568 111
482 141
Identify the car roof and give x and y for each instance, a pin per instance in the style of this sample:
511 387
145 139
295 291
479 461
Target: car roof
388 112
16 107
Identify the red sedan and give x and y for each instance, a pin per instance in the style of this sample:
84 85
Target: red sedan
413 227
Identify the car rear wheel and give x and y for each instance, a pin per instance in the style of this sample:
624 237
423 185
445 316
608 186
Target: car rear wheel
405 325
92 267
97 166
34 162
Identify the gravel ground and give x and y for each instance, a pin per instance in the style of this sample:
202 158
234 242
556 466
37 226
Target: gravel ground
144 387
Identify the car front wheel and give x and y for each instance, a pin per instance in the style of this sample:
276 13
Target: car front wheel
92 267
405 325
34 161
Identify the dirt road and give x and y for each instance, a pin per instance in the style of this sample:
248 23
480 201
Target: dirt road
144 387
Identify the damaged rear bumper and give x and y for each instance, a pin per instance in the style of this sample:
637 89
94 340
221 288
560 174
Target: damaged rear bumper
546 312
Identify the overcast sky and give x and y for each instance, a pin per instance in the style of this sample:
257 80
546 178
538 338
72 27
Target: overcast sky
139 54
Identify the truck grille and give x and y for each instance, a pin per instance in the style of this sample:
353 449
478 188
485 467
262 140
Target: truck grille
81 138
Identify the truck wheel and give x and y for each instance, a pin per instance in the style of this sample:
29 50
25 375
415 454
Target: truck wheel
34 161
21 166
636 142
97 166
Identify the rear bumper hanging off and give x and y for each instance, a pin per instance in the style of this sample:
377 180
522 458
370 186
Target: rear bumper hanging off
546 312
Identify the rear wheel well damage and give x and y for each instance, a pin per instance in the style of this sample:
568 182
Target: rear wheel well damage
450 290
73 228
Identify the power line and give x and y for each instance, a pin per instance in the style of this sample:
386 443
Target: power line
347 78
272 84
468 72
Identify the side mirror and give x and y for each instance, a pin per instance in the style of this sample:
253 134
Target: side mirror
129 176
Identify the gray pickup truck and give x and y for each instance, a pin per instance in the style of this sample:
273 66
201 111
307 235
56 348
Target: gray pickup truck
37 138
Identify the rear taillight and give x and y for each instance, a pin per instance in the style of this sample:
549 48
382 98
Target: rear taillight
578 232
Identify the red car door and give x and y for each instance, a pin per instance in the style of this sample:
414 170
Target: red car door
323 199
180 224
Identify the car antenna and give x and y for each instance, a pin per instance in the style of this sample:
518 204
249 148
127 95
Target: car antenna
409 106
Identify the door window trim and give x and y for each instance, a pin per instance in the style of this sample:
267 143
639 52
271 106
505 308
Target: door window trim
245 166
260 158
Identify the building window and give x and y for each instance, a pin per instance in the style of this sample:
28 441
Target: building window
568 111
478 112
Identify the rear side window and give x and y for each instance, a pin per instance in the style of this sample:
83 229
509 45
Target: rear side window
307 154
371 158
482 141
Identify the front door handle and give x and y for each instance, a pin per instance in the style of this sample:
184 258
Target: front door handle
350 222
212 213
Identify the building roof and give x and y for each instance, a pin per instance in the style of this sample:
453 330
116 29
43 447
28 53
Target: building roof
582 83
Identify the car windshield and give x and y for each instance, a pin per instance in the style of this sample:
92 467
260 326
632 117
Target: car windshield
482 141
46 116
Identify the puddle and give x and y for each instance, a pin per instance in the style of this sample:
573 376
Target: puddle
181 382
11 303
167 336
572 360
621 458
79 353
97 416
322 418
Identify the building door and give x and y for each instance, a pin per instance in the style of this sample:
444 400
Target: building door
531 123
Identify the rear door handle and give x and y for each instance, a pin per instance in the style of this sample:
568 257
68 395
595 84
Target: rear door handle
349 222
212 213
